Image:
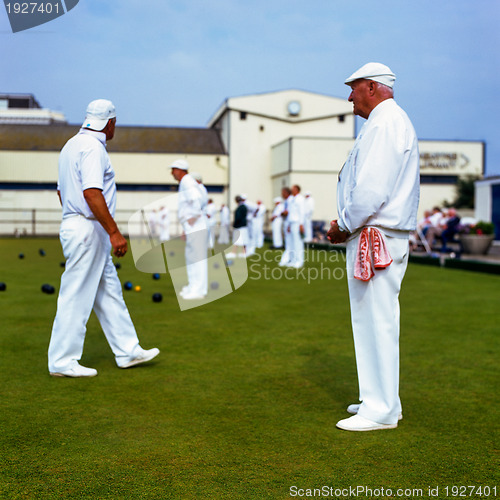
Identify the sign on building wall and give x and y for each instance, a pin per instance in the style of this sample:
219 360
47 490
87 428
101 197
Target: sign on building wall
451 158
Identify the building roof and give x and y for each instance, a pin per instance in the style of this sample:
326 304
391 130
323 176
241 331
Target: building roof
20 101
126 140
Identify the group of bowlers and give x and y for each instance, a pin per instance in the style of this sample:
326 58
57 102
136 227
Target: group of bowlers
377 201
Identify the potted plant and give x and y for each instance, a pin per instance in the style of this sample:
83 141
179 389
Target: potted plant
477 238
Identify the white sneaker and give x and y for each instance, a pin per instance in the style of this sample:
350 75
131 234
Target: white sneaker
75 372
142 357
353 409
358 423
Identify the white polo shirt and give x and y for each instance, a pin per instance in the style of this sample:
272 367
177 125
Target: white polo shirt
380 181
84 163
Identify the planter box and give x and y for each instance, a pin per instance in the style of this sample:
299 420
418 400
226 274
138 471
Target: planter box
478 244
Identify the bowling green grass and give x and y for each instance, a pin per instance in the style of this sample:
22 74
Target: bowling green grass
242 401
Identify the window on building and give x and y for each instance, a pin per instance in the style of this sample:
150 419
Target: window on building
243 115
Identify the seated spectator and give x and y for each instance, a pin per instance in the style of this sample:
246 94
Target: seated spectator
452 227
437 223
422 225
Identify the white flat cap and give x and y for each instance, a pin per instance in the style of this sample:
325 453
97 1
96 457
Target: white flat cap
180 164
374 71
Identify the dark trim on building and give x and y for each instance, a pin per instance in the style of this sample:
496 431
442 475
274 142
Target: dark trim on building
438 179
51 186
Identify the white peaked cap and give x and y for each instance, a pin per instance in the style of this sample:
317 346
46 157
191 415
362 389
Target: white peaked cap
180 164
374 71
99 112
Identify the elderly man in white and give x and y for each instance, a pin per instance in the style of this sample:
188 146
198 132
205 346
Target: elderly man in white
296 218
258 224
87 191
277 222
377 198
194 224
225 221
251 210
308 215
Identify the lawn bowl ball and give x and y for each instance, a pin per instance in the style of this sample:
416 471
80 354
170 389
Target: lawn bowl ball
118 265
137 288
21 256
214 285
62 264
156 276
48 289
3 287
41 252
157 297
127 285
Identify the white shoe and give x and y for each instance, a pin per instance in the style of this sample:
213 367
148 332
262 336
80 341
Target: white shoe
193 296
353 409
75 372
358 423
142 357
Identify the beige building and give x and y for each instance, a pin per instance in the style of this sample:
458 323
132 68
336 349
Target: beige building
295 137
253 144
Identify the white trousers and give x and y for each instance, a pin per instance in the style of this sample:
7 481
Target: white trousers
298 244
308 230
287 256
258 230
294 246
277 227
224 234
211 234
250 247
196 255
89 282
375 325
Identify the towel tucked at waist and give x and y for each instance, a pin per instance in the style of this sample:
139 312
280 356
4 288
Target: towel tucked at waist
372 254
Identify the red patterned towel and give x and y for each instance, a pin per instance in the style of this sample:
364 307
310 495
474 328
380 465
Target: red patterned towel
372 254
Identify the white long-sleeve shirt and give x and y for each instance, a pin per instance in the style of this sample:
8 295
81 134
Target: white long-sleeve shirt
296 209
380 182
190 200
